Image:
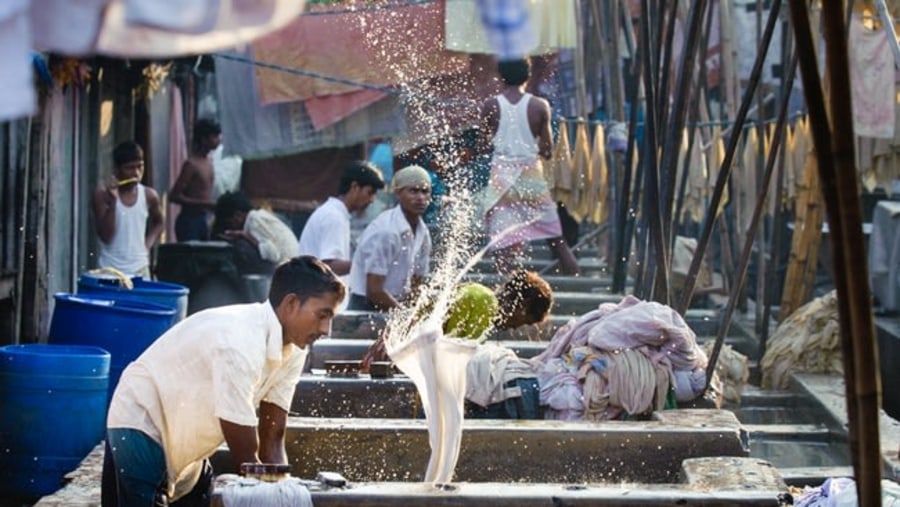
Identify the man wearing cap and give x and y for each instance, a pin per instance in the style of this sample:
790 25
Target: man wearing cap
394 251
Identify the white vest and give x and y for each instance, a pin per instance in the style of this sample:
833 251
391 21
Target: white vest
514 139
127 252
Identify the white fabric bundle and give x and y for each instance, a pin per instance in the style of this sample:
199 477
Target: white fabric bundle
437 366
251 493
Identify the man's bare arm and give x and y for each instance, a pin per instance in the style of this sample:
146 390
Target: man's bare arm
377 295
545 137
154 219
340 267
272 424
243 443
104 204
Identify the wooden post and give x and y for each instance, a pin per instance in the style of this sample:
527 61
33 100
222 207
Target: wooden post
833 139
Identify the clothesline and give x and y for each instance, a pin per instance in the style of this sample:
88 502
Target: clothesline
750 123
334 79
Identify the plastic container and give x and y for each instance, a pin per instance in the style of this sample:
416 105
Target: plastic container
164 293
54 401
123 327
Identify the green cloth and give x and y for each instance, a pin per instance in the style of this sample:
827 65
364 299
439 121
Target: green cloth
472 311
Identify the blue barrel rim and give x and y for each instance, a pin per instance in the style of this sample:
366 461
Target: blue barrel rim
141 286
74 351
99 301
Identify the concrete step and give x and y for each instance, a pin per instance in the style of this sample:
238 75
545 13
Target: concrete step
588 265
564 283
707 481
516 451
356 324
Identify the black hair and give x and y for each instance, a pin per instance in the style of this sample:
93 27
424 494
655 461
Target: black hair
363 173
203 128
305 276
526 290
227 205
514 72
126 152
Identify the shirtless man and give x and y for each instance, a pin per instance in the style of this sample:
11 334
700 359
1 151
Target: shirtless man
193 189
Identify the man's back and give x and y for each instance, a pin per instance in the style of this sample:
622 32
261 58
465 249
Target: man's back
326 234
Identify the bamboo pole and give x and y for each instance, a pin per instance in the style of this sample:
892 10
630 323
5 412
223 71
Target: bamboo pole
712 213
675 121
747 250
630 189
834 147
651 208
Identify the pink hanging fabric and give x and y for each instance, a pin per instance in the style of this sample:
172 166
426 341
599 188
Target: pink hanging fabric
178 154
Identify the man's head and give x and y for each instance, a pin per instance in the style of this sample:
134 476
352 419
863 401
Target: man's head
525 298
359 184
128 159
207 135
412 186
514 72
305 294
231 211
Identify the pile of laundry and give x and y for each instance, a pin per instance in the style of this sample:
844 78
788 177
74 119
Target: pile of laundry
807 341
620 360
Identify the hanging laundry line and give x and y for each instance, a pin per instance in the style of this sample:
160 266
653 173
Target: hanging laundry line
341 80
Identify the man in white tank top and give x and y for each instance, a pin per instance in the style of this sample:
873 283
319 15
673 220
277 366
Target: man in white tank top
517 199
128 215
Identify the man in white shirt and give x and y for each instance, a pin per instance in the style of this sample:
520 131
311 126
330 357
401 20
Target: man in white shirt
326 234
394 251
225 374
237 221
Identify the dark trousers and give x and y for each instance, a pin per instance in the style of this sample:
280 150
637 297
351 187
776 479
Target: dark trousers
109 487
360 303
527 406
192 225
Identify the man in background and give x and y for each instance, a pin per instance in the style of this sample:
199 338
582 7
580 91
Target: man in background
193 189
326 234
394 251
128 215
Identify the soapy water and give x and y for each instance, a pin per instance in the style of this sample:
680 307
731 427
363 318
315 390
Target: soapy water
413 333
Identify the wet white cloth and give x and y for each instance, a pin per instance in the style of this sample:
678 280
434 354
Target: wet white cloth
216 364
187 16
127 251
277 242
437 367
388 247
68 26
253 493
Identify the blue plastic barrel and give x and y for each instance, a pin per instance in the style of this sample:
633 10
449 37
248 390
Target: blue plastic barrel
123 327
164 293
54 401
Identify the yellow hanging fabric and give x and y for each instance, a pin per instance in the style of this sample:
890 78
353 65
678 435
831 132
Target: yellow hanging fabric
560 168
598 194
715 156
581 170
787 177
697 186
